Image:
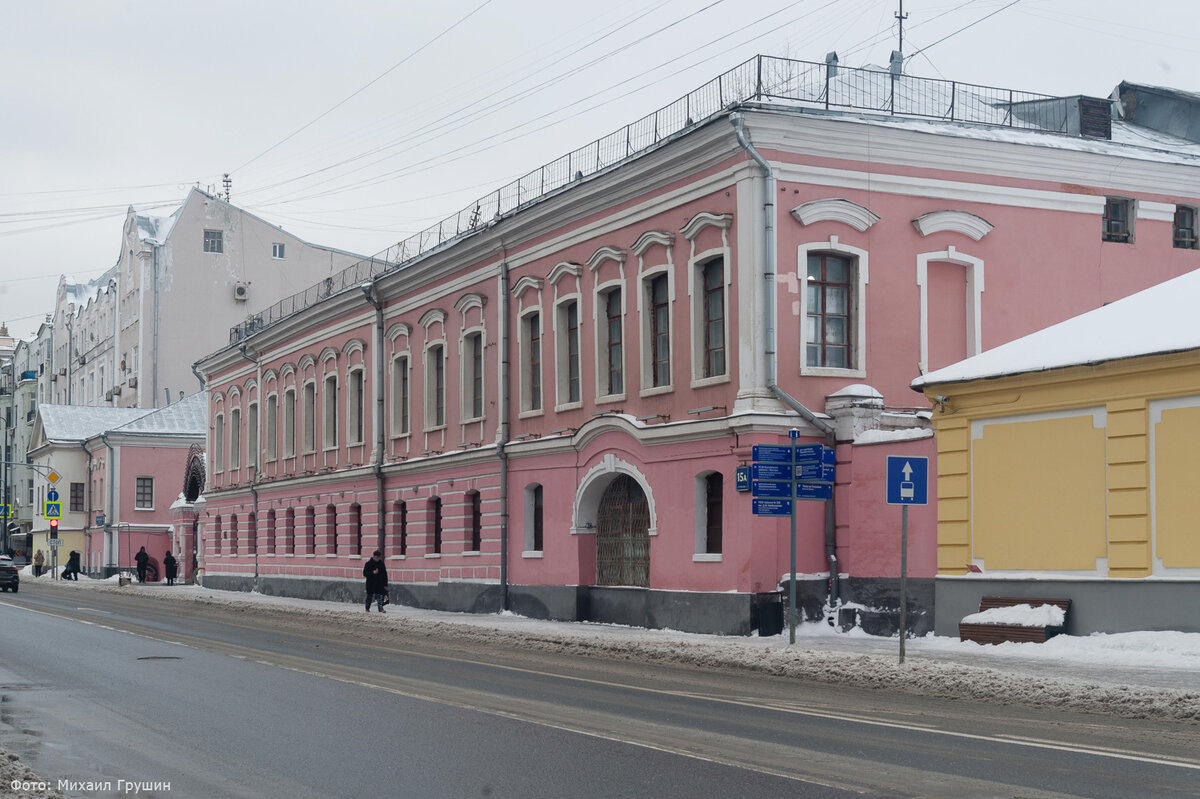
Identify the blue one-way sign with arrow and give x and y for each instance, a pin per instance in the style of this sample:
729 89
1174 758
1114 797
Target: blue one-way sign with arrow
907 480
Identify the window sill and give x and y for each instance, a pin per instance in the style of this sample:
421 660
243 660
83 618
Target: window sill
470 553
825 371
654 392
702 382
140 508
433 555
531 414
435 429
532 554
329 448
568 406
707 557
472 420
398 436
611 398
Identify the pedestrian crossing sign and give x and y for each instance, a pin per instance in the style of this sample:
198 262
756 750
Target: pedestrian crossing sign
53 510
4 512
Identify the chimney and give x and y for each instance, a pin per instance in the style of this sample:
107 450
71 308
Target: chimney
897 63
831 64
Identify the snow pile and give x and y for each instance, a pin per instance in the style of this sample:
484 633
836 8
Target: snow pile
1023 615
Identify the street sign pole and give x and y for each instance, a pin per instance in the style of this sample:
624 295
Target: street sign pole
903 578
793 434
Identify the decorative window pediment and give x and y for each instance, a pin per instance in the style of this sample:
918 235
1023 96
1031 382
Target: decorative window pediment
527 282
705 219
606 254
469 301
962 222
562 269
835 210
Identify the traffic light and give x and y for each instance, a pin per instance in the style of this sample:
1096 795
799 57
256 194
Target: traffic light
54 528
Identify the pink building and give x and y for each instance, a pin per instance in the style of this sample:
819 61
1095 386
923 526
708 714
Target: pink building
543 403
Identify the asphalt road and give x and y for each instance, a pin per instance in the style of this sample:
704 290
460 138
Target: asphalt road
220 702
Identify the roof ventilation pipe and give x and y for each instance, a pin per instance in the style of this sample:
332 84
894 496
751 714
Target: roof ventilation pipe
769 250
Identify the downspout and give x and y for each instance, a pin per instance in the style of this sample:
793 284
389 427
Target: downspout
196 372
258 450
502 439
87 505
110 507
772 357
371 292
154 371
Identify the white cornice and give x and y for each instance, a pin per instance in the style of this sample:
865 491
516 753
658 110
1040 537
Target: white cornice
962 222
835 210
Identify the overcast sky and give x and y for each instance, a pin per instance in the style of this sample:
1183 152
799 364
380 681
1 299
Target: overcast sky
355 123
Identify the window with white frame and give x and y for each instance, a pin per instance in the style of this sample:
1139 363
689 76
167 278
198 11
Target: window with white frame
289 423
214 241
656 369
235 438
401 396
829 323
310 417
709 343
271 422
252 435
472 377
144 495
435 386
531 361
533 518
355 384
1184 228
611 343
219 443
329 403
568 390
710 513
1118 219
277 251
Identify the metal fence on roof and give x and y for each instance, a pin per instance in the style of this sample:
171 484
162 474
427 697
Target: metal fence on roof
762 78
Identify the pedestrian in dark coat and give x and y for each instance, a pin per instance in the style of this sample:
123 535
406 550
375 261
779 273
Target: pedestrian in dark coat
170 565
72 570
377 581
142 558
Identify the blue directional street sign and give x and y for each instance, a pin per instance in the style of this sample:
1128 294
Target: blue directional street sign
810 453
814 473
907 480
771 488
814 491
772 507
771 471
772 454
743 478
53 510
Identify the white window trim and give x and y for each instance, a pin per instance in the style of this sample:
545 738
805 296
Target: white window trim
526 391
648 389
600 325
288 451
974 299
233 453
562 388
136 506
220 446
430 411
397 357
270 427
253 420
862 278
528 551
696 293
700 518
362 406
466 384
308 417
329 438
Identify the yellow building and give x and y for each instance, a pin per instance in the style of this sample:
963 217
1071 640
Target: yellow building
1069 466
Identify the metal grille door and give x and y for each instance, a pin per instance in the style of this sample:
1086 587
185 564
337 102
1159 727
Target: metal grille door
623 535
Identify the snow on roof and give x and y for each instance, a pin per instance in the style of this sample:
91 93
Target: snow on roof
189 416
154 228
64 423
1154 321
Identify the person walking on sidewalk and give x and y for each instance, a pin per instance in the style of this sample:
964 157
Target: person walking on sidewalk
71 572
142 559
39 560
377 581
170 566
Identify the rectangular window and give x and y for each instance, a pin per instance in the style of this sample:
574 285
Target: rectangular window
277 251
400 395
1185 227
567 352
214 241
537 519
270 422
476 531
77 497
1118 219
219 443
473 376
329 401
435 386
310 417
713 275
144 498
289 423
400 527
828 314
435 525
714 487
235 438
533 343
252 437
354 418
331 531
660 331
614 321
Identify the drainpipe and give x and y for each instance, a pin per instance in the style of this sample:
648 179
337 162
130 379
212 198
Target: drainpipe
769 287
111 521
154 370
257 452
372 295
502 440
87 505
199 377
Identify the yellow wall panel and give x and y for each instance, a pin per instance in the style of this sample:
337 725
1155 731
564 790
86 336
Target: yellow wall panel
953 509
1126 423
954 533
1128 475
1130 449
1177 480
1128 502
955 485
1039 494
1128 528
950 439
1124 556
953 463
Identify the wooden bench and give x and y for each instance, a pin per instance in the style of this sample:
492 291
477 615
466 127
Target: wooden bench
997 633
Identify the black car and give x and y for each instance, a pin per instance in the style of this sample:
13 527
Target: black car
9 579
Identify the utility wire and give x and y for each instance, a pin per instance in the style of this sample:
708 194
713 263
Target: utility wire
965 27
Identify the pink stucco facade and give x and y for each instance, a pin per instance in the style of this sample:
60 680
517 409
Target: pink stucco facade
456 385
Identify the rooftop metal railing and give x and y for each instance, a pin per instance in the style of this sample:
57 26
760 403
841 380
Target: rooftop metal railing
763 78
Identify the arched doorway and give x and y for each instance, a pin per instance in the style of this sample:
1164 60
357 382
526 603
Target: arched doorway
623 535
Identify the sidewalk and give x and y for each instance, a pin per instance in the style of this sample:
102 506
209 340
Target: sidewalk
1143 674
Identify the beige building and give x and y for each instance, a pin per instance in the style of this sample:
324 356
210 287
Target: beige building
130 337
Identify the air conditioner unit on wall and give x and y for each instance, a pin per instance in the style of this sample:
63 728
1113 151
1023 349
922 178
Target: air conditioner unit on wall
241 291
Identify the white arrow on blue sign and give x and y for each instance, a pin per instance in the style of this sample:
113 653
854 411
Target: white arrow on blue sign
907 480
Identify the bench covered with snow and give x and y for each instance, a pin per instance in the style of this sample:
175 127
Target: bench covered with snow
1003 618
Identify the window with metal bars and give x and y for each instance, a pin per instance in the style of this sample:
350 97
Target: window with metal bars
828 318
1118 219
1184 229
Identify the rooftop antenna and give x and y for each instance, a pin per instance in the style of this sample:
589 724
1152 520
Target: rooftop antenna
229 183
900 17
